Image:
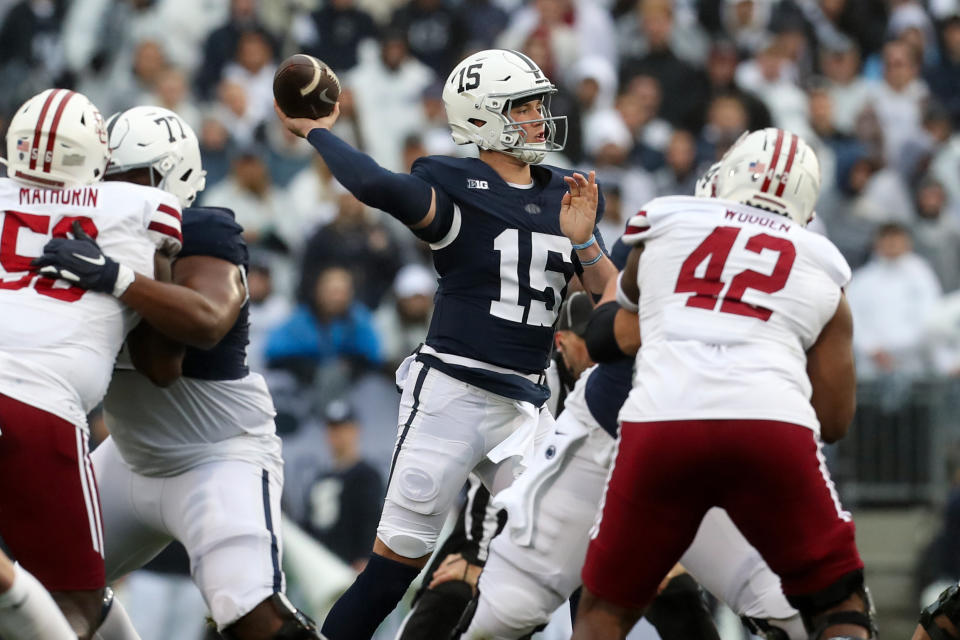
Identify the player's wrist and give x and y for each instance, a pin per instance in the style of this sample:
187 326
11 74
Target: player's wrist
125 277
580 246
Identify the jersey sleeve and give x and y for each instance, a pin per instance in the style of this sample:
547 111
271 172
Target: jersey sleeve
164 225
830 259
213 232
444 211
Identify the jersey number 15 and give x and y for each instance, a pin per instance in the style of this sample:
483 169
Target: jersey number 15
13 262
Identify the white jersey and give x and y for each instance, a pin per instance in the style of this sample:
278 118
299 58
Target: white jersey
731 298
58 342
167 431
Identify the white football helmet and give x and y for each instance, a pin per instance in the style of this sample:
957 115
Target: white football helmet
772 169
57 139
157 138
481 91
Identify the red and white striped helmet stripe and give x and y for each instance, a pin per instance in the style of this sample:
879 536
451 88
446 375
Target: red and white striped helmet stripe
64 95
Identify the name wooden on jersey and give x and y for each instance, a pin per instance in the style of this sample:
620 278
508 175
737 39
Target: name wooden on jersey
763 221
83 197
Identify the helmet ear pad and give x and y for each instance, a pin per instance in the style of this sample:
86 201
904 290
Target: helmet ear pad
480 94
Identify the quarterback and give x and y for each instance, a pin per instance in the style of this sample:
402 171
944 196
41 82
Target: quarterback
507 235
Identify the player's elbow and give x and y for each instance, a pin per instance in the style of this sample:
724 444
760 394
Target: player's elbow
209 326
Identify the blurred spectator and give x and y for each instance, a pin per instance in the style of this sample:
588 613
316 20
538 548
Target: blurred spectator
825 139
638 105
357 242
687 40
727 118
344 502
333 325
891 298
594 82
403 322
268 308
899 97
436 132
434 32
863 20
746 22
249 191
917 152
234 111
484 21
253 68
387 89
288 155
840 63
336 32
171 90
614 222
221 45
721 71
215 149
682 90
31 51
942 76
312 196
943 330
573 29
937 233
772 77
679 175
910 23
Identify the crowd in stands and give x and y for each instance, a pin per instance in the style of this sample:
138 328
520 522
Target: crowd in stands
653 91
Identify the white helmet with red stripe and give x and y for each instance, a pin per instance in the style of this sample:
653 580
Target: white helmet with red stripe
772 169
57 139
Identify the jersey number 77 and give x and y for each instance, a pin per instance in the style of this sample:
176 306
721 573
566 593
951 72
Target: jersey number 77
716 248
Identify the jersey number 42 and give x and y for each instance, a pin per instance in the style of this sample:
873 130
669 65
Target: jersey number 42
716 249
13 262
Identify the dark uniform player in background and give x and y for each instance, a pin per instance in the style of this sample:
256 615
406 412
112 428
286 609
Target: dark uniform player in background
506 236
198 460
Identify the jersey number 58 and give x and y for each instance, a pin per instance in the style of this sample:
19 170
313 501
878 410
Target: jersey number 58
13 262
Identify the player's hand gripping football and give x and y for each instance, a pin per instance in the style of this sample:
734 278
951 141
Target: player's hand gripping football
302 126
79 260
578 209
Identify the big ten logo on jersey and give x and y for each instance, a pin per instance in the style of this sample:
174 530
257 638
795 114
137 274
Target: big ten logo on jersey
540 280
473 183
715 249
22 237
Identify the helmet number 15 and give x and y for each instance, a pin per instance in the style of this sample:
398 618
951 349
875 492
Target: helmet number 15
714 250
472 74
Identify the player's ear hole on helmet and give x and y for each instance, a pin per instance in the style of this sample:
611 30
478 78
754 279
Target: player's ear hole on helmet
477 122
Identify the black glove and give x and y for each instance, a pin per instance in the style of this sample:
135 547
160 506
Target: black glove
80 261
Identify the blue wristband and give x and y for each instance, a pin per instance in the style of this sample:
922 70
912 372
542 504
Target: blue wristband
586 244
593 260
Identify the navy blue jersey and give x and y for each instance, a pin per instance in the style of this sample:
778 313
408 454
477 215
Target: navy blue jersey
504 265
213 232
610 383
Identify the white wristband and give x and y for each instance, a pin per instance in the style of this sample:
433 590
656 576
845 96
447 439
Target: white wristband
622 299
125 277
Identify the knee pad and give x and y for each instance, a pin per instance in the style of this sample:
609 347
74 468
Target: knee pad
812 605
948 604
438 611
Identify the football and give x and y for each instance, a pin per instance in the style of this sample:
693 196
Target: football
305 87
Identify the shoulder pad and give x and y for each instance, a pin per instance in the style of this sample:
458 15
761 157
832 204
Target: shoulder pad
212 231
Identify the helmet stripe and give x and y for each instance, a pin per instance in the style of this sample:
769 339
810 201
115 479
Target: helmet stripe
794 140
52 136
773 161
39 130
